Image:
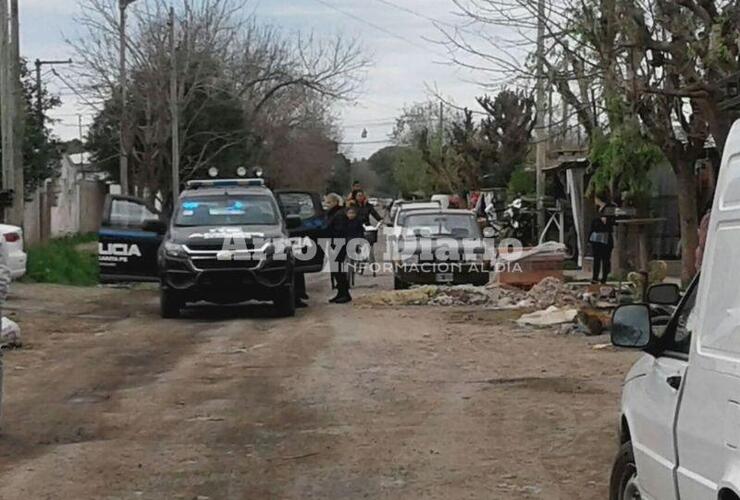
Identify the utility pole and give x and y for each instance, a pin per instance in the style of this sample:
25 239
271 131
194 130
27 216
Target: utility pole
7 102
39 89
123 163
441 125
82 141
541 135
175 112
19 118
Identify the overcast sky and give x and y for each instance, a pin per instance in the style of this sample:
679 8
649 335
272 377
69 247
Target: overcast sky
405 64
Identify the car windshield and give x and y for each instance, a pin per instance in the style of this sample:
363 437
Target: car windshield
453 225
227 210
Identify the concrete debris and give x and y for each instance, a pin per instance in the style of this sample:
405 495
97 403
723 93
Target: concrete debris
460 295
10 334
548 292
551 316
552 291
492 296
601 347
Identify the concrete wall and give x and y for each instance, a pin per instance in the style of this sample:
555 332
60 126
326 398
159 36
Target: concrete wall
91 201
66 205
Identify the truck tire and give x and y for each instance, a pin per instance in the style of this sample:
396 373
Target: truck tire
623 484
285 301
398 284
169 304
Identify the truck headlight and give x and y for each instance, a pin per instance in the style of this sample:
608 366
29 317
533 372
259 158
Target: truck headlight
174 249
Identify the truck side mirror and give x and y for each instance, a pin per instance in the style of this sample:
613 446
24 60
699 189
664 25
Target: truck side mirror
631 327
664 294
155 226
293 222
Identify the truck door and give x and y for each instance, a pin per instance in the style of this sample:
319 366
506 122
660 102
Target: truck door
307 206
708 426
654 400
128 240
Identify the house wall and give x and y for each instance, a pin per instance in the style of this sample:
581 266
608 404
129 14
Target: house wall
63 206
91 202
65 215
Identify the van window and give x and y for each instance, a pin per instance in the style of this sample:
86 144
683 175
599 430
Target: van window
680 339
720 330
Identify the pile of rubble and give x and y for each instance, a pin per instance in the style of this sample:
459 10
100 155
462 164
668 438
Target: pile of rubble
548 292
429 295
550 303
552 292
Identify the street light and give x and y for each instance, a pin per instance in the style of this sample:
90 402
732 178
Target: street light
123 163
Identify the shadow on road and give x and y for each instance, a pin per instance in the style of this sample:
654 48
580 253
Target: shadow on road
250 310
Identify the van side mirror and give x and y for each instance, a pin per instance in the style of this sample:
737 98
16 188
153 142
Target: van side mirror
489 232
155 226
631 327
293 222
664 294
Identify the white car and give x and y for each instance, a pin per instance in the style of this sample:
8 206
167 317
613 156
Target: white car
12 250
399 217
679 426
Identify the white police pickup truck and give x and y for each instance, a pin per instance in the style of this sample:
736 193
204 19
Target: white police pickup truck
186 253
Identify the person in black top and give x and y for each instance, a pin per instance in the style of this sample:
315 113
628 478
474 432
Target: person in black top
337 230
356 186
365 210
355 225
601 238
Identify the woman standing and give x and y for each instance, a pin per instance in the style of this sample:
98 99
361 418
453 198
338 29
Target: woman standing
602 239
337 232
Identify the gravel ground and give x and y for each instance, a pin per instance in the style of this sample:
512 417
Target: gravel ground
108 401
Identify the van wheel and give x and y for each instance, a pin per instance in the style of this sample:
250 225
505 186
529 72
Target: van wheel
169 304
285 301
623 484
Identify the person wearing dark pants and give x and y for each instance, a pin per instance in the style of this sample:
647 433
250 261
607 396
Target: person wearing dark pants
602 262
337 232
300 290
602 239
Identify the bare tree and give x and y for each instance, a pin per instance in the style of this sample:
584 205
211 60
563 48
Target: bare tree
225 60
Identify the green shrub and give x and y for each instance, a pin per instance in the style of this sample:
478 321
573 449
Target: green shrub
66 261
521 183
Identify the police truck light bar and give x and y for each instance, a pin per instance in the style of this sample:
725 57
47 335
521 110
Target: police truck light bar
226 183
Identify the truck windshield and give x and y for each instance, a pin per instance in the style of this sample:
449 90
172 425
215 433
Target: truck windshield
428 225
228 210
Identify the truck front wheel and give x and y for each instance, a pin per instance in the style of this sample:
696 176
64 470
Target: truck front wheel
285 301
169 304
623 484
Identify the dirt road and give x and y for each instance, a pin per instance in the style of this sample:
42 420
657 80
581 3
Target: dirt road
107 401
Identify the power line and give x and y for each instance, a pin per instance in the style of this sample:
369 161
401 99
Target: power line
368 124
361 143
71 87
377 27
416 13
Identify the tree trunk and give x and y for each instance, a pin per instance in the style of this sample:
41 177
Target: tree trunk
689 217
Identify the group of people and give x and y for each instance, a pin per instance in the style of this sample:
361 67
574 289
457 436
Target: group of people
346 219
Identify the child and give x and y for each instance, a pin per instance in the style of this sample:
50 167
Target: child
355 228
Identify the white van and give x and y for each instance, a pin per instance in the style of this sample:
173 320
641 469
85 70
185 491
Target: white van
679 427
